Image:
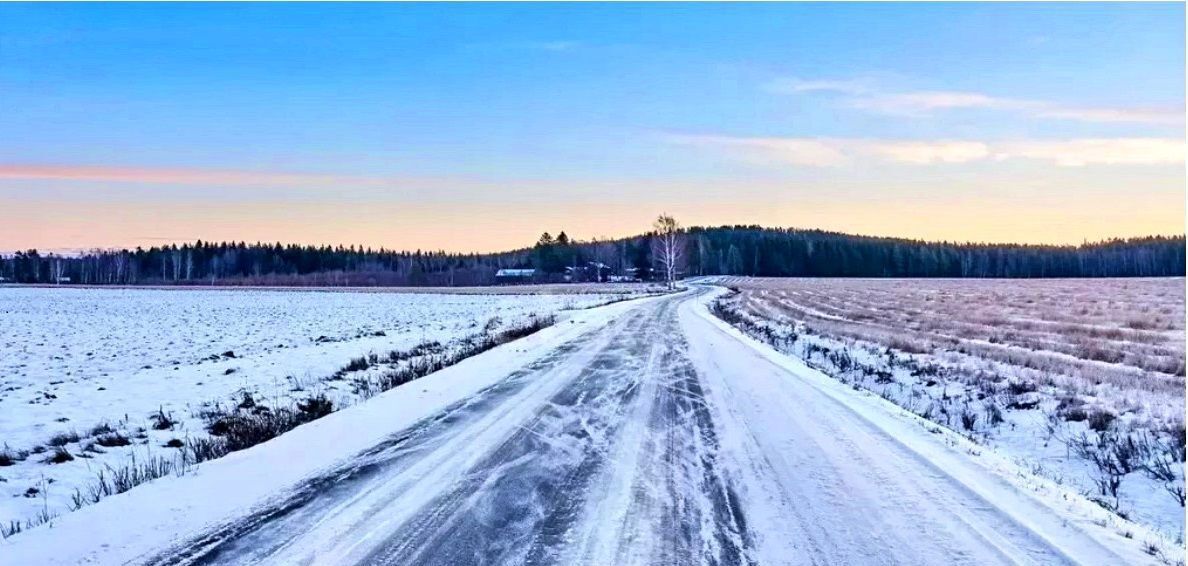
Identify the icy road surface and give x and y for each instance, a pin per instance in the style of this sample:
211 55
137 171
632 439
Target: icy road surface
660 438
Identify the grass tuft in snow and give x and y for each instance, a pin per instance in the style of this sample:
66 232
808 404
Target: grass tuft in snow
60 455
63 438
9 456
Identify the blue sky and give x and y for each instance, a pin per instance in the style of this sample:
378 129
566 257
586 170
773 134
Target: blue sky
359 119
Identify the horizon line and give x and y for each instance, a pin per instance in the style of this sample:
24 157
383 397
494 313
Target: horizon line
79 251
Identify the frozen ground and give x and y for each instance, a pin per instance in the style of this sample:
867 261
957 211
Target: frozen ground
1081 381
85 371
637 433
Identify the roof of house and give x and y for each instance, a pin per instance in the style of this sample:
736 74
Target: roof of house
515 273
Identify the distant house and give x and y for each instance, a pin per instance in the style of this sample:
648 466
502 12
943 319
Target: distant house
629 275
601 271
512 276
593 271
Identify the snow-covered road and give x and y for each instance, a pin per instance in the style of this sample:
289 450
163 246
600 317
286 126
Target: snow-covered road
661 437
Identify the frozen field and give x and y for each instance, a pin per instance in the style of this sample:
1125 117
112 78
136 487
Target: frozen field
104 375
639 433
1080 380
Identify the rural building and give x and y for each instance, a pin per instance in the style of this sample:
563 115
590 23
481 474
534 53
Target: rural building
629 275
593 271
512 276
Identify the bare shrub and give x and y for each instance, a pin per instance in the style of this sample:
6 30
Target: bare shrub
1072 409
162 421
63 438
9 457
315 407
1142 323
59 456
909 346
1108 472
1164 468
1018 387
112 440
968 419
1100 420
1094 350
1113 456
993 414
357 364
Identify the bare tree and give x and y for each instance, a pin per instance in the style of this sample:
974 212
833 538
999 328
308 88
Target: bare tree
668 247
57 269
176 262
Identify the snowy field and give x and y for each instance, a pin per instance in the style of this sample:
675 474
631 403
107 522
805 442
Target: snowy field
641 432
1081 381
92 378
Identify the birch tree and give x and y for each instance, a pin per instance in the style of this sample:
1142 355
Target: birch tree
57 269
668 247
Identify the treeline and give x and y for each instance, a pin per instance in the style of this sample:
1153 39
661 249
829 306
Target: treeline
726 250
751 250
239 263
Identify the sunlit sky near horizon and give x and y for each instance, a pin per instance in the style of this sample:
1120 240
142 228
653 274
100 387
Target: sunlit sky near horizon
474 127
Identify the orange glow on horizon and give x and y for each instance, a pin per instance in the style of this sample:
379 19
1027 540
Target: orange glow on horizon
487 227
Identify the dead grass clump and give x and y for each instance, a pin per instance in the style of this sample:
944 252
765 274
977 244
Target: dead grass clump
112 440
59 456
63 438
161 420
9 457
1144 323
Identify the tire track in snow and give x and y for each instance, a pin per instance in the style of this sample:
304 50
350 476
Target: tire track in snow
524 492
532 501
667 501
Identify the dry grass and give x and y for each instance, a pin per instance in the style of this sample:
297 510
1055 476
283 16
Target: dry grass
1096 366
1125 333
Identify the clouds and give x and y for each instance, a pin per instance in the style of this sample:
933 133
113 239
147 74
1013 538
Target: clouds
1168 116
794 86
929 152
923 103
1082 152
838 152
770 151
866 95
862 94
